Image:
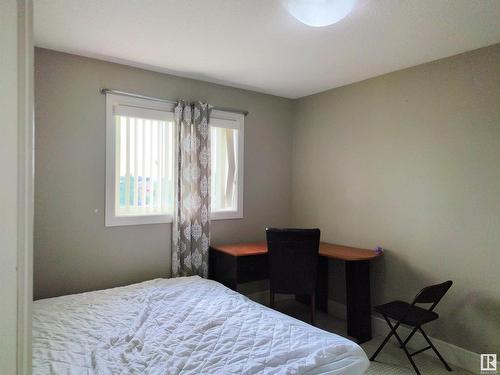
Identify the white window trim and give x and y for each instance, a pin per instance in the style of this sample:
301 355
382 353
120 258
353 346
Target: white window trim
111 219
239 123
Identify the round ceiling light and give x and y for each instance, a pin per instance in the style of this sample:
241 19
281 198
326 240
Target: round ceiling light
319 13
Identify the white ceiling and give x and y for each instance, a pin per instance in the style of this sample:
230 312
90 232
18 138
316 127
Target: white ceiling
256 44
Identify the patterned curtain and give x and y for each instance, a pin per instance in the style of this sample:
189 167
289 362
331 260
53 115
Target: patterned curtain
191 228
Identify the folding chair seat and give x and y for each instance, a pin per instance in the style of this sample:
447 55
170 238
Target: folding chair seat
407 314
414 316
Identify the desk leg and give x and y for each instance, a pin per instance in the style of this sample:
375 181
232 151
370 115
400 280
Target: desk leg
322 285
359 324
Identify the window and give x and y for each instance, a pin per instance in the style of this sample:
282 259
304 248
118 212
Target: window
226 137
140 172
140 162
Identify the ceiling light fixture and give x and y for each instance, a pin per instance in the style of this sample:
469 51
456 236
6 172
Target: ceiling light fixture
319 13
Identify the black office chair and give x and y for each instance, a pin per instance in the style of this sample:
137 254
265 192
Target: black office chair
293 263
414 316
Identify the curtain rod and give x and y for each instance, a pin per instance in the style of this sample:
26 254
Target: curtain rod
118 92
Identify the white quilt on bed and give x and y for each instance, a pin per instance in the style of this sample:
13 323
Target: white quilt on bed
185 325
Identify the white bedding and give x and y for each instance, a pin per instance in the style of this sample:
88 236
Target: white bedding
184 325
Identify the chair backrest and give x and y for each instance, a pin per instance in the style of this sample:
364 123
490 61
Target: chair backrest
433 294
293 260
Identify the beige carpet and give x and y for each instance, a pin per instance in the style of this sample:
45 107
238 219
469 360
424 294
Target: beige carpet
391 361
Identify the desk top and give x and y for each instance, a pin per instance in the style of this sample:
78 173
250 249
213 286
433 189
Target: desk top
325 249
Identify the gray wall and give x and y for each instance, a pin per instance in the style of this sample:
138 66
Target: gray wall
410 161
74 251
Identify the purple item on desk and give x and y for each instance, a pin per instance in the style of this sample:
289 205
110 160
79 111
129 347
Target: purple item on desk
379 250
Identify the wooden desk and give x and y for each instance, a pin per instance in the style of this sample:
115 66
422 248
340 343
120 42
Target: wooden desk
245 262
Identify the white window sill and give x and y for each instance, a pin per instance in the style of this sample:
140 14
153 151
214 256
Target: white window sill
116 221
224 215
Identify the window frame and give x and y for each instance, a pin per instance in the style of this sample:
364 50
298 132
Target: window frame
111 220
239 124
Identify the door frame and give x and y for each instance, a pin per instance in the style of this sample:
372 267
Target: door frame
25 204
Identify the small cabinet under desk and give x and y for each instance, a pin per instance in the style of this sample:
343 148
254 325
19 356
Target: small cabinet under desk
232 270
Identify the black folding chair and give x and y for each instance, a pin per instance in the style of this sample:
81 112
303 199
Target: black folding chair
414 316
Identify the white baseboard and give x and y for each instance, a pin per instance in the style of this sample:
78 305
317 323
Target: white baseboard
453 354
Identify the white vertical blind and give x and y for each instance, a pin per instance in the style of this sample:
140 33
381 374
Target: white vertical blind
151 166
159 165
136 164
143 170
144 149
231 166
117 157
224 146
127 164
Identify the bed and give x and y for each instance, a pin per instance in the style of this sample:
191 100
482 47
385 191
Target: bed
185 325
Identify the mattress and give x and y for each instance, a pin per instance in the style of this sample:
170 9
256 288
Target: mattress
185 325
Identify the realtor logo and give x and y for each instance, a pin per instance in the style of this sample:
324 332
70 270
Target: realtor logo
489 362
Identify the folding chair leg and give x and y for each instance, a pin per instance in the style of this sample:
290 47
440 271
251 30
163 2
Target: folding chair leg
372 358
402 344
389 335
410 336
435 350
